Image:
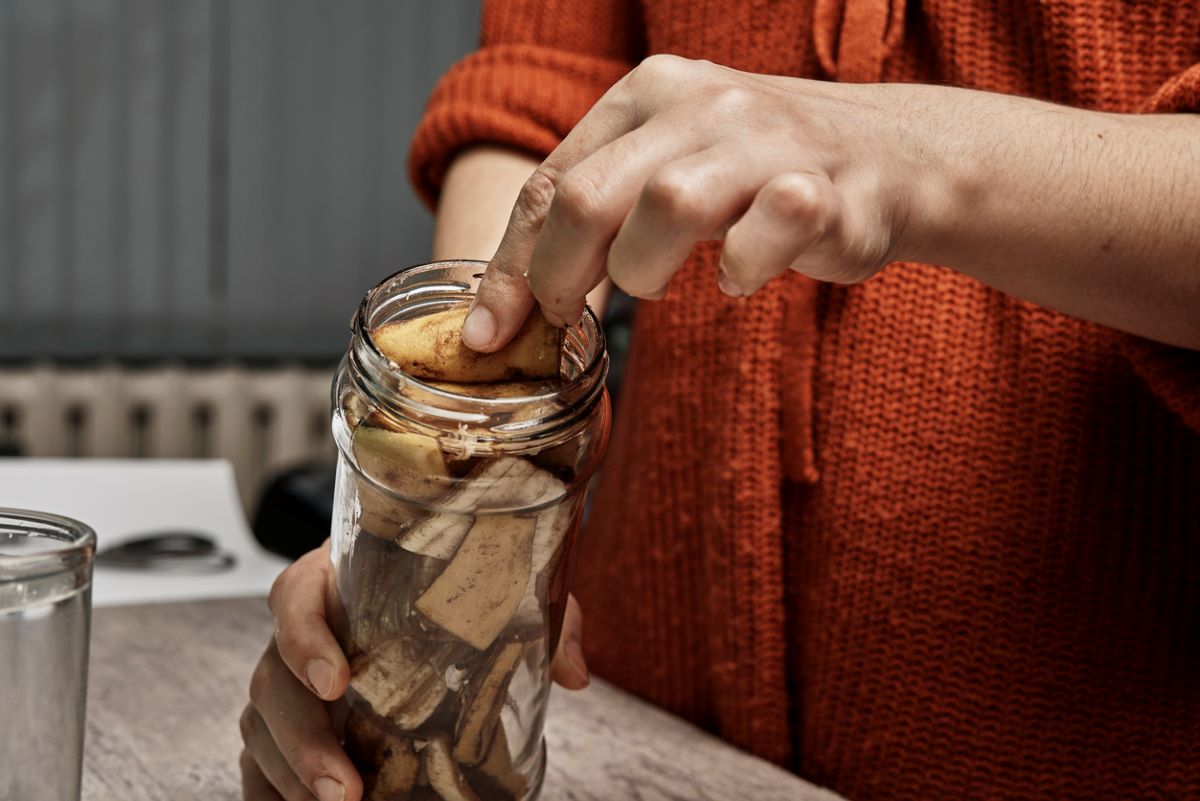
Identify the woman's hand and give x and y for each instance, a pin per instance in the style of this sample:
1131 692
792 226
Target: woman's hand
792 174
291 749
1087 212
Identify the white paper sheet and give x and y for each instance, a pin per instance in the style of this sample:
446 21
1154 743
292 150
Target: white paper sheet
123 498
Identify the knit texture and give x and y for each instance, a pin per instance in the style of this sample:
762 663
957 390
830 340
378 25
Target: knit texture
914 538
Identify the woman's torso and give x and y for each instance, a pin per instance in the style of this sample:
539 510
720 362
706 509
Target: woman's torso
984 581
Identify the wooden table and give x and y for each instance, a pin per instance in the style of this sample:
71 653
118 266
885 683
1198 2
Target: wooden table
168 682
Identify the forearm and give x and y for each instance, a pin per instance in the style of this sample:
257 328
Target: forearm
481 186
1096 215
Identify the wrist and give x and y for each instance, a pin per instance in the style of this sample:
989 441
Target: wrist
942 175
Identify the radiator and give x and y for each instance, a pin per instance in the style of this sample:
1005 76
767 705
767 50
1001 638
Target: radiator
263 420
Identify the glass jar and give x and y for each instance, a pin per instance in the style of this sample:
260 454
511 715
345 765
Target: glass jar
455 522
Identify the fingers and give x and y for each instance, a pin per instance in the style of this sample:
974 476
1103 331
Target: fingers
504 299
264 766
255 786
306 644
791 218
568 667
289 733
687 201
589 205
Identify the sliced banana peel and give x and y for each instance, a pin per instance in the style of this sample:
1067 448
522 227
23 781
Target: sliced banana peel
398 683
431 347
444 774
498 768
550 532
503 389
380 603
402 466
389 764
501 483
482 703
476 595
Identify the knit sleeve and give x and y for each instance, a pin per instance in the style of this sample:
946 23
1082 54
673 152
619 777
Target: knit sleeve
540 66
1171 373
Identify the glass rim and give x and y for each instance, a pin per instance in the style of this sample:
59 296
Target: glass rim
77 541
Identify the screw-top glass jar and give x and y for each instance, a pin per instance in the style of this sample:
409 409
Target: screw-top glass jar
455 522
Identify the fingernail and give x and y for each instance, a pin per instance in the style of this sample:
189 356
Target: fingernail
328 789
574 654
726 284
479 330
320 677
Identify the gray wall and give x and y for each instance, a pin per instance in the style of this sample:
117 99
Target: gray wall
208 178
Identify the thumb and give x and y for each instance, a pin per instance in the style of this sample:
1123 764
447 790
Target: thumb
568 668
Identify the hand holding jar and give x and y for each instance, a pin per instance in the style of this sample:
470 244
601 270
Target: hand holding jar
460 491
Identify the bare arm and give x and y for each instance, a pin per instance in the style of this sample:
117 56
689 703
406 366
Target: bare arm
481 186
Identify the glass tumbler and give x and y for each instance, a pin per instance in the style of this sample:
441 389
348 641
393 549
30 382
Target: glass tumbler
455 522
45 619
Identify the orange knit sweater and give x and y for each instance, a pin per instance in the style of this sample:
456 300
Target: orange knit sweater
915 539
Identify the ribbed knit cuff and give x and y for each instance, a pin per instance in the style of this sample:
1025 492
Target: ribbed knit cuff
1171 373
523 96
1179 95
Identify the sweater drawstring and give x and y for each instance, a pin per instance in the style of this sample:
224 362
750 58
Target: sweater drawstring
854 37
799 331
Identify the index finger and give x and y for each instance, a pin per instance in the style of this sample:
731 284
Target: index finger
504 300
302 632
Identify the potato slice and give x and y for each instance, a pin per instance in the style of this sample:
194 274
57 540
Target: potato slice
445 776
482 703
497 766
398 683
431 347
477 593
389 764
505 482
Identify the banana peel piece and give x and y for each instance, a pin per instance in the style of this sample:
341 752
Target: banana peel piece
475 597
444 775
410 465
498 390
482 703
504 482
431 347
553 525
389 764
497 766
398 684
377 607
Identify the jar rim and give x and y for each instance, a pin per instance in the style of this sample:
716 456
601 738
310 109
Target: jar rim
510 418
